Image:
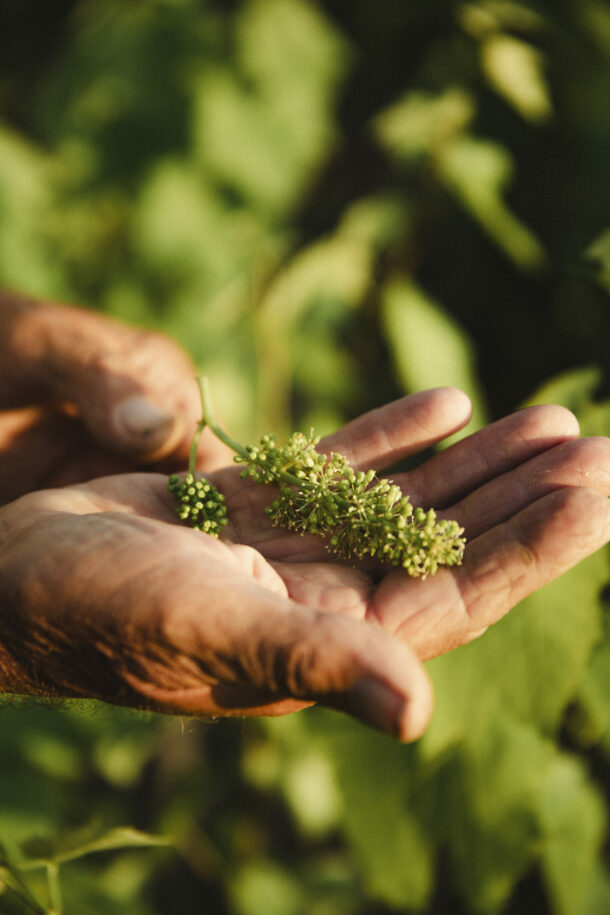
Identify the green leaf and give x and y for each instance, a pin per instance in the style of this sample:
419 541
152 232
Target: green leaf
573 389
334 270
309 785
595 419
482 805
530 664
13 889
477 171
185 233
599 893
504 799
69 847
421 123
572 818
599 252
429 348
263 886
594 694
27 196
515 69
377 779
376 221
375 784
576 391
262 136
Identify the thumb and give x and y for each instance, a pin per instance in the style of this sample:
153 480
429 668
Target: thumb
132 389
141 426
354 667
261 651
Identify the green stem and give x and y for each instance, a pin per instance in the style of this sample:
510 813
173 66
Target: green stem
54 888
194 445
209 419
212 423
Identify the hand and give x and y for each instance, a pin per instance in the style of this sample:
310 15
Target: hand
106 595
83 396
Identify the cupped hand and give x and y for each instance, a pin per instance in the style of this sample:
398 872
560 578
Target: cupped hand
82 396
107 595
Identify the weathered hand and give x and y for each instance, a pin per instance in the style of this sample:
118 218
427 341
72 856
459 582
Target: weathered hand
104 594
114 599
82 396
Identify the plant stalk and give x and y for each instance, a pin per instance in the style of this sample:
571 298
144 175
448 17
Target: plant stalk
55 900
209 419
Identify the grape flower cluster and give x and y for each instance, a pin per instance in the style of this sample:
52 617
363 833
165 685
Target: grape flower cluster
359 514
200 504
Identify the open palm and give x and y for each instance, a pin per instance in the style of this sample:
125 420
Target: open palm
113 598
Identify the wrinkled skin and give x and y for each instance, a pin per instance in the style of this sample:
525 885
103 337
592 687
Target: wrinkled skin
106 594
65 373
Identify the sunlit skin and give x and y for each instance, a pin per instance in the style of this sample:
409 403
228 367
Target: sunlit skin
135 608
62 370
105 594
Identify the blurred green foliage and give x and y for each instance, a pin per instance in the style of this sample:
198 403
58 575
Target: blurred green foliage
328 204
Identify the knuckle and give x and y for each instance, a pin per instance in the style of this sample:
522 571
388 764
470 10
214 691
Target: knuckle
304 668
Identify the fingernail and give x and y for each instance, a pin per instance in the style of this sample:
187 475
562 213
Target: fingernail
142 422
378 705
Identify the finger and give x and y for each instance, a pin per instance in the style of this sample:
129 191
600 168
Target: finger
44 447
31 440
401 428
584 462
501 568
134 390
492 451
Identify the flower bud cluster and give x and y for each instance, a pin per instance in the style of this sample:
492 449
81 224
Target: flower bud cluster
361 515
263 462
199 504
266 462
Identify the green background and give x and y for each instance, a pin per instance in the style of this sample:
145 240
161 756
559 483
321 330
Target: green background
328 204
